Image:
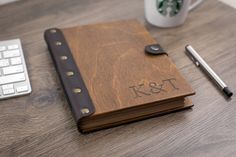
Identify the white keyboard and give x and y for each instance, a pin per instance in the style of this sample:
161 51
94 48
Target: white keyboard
14 79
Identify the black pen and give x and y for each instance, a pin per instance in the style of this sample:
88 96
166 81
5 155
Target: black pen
197 59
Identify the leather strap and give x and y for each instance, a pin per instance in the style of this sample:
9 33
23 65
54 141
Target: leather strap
154 49
69 74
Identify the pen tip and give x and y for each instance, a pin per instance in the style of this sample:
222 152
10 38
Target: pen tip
227 92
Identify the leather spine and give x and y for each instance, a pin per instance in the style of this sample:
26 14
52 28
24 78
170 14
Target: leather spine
69 74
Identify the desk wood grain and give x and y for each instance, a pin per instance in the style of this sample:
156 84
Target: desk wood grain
41 124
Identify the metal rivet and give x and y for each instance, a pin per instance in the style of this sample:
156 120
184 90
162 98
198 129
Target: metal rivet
77 90
155 48
53 31
84 110
58 43
63 57
70 73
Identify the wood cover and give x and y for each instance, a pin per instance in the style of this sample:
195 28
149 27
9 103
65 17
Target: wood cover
117 72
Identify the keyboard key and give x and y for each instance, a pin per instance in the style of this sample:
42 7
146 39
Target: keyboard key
13 69
22 89
8 91
12 47
4 63
2 48
7 86
15 61
11 53
12 78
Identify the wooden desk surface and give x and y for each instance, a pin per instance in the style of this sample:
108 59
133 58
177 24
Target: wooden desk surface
41 124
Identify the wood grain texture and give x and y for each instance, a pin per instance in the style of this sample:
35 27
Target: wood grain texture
111 59
41 124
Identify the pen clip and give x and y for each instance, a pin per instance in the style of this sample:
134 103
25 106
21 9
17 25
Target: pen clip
195 61
189 54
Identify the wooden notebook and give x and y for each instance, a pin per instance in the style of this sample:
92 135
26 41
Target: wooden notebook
109 79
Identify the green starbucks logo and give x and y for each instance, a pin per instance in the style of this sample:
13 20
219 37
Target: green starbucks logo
169 7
